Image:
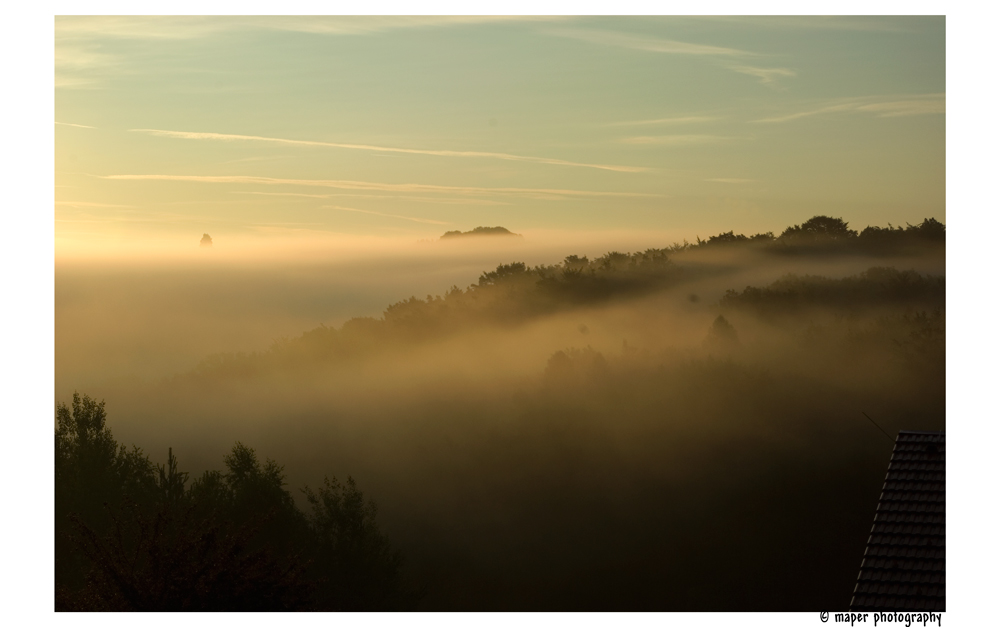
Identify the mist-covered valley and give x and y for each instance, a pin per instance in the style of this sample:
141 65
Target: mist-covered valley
678 428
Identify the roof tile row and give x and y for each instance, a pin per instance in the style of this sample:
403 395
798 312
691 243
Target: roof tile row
907 529
904 552
908 495
901 565
919 480
866 602
916 507
904 517
916 467
890 539
896 576
918 456
899 589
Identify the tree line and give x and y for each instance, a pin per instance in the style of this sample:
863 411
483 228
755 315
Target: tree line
132 535
515 292
823 234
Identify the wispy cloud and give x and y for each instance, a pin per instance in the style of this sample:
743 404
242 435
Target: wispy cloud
885 106
767 76
82 64
386 215
193 27
905 107
286 224
818 22
691 119
675 140
82 59
76 125
643 42
732 181
412 151
78 203
446 201
369 186
292 194
251 159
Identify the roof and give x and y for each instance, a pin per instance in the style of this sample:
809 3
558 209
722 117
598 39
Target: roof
903 567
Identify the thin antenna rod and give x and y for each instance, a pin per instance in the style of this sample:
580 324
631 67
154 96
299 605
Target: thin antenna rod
879 428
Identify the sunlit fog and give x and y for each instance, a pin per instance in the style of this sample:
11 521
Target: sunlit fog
598 314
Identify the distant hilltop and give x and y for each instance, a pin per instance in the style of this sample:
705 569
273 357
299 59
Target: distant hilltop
480 230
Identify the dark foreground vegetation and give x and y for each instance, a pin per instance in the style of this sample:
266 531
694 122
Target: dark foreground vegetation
590 435
133 536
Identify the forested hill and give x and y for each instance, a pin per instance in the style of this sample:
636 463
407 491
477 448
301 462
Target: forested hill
514 293
480 231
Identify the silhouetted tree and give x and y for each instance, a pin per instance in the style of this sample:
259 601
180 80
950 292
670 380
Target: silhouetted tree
357 566
91 470
819 229
930 229
504 272
722 337
131 536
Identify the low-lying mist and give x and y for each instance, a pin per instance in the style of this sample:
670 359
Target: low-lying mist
678 429
141 313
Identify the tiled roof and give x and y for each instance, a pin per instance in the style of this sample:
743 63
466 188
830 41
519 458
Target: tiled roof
903 567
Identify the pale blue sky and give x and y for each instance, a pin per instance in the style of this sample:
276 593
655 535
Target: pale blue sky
265 127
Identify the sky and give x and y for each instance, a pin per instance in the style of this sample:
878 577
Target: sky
290 128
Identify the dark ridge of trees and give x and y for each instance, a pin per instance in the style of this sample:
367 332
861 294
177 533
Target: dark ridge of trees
480 230
819 229
516 292
729 238
873 288
506 296
134 536
826 235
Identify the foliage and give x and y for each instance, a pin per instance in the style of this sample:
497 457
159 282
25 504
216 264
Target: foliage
824 234
515 292
173 560
722 337
876 286
819 228
480 230
134 536
729 238
354 559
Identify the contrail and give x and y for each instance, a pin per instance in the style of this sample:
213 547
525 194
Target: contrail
367 186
